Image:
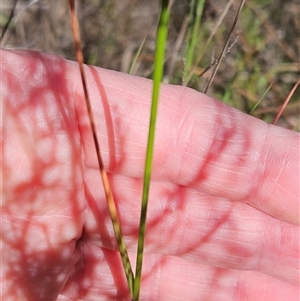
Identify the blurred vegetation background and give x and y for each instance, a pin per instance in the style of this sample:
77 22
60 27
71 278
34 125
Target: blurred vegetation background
262 62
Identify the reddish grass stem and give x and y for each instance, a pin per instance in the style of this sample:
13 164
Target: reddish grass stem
286 102
109 196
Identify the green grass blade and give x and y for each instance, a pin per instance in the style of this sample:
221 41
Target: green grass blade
161 37
136 56
256 105
195 15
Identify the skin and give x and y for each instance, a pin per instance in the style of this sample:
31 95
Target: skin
223 215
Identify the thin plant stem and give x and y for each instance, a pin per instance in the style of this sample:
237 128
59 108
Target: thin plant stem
225 47
161 37
286 101
8 20
109 196
207 42
137 56
256 105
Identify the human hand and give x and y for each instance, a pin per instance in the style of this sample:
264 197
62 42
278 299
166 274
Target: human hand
223 214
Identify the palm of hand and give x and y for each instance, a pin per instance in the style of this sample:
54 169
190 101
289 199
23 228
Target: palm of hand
218 226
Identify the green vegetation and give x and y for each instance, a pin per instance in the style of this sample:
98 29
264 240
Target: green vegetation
262 52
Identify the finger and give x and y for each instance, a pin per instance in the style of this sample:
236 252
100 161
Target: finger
188 224
170 278
200 142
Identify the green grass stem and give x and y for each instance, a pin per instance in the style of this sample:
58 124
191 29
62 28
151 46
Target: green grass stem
256 105
195 15
161 37
136 56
